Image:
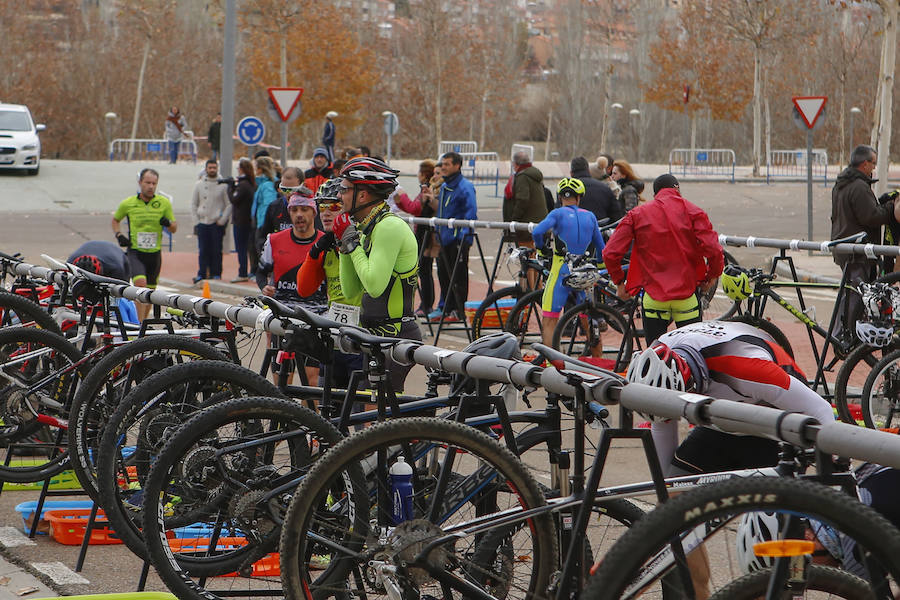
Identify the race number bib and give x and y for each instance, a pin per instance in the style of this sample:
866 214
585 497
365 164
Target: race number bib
146 240
343 314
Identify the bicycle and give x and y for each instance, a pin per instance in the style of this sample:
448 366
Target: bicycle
490 314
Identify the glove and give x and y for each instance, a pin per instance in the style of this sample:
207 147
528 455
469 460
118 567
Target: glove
350 240
123 240
341 224
888 196
547 253
323 244
164 222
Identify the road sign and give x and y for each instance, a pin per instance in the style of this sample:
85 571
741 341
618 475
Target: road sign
285 99
810 108
251 131
391 124
273 112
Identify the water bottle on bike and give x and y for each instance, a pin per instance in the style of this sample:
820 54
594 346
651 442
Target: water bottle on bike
401 491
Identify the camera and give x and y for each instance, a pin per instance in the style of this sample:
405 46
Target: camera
228 180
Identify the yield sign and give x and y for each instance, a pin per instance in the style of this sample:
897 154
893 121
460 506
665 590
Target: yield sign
810 107
285 99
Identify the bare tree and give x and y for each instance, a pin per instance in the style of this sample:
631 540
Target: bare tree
889 9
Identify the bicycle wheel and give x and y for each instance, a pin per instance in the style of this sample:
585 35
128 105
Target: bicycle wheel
39 377
640 562
851 378
831 582
232 468
767 326
715 304
369 555
490 314
880 401
17 310
524 319
109 381
595 330
146 418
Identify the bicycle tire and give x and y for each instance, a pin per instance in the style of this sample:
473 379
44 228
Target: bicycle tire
25 312
862 357
767 326
345 457
120 498
719 502
881 397
721 309
109 381
615 321
519 325
173 474
889 278
488 306
819 578
49 353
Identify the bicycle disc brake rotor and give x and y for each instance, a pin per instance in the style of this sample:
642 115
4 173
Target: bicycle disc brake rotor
15 413
409 539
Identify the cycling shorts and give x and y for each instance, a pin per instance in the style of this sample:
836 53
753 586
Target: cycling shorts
145 265
708 450
555 293
672 310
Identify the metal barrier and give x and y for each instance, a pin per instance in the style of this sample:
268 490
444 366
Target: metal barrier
520 148
149 149
464 147
482 169
702 162
791 164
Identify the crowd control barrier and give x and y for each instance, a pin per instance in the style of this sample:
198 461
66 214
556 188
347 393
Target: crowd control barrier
791 164
148 149
482 169
715 163
461 147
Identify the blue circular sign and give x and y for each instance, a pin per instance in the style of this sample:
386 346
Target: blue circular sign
251 131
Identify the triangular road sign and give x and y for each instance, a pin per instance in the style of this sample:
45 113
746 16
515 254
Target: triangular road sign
810 107
285 99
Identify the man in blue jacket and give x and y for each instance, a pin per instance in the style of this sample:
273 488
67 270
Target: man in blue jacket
456 201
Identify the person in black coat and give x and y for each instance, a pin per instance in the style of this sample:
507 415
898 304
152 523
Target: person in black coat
241 197
598 197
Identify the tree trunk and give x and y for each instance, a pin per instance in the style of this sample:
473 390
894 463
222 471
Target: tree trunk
842 91
757 109
137 100
547 142
483 118
693 118
768 132
889 7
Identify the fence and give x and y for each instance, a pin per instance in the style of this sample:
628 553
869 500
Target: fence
460 147
702 162
791 164
482 169
149 149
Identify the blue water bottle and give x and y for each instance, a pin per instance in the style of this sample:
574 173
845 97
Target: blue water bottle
401 491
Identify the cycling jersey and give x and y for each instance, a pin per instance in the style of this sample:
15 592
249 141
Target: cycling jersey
735 361
282 256
327 268
576 228
144 228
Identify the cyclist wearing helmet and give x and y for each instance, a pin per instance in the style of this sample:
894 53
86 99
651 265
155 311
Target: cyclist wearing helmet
726 360
379 254
102 258
673 250
574 229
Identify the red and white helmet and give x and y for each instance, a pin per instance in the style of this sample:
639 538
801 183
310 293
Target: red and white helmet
372 174
660 366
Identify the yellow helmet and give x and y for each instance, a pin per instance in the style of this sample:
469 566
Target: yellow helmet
569 186
736 284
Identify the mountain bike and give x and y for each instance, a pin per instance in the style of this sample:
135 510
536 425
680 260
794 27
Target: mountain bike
492 313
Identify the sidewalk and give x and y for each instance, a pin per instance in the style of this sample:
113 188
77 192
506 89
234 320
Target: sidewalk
17 583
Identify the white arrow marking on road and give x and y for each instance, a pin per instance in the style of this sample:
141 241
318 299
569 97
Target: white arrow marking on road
10 537
59 573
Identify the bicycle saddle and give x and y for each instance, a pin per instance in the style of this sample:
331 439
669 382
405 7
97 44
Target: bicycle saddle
283 311
856 238
359 338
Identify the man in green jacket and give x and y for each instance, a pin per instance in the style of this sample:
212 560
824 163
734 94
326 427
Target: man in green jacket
379 255
528 203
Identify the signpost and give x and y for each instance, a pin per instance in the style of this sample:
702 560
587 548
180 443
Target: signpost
391 125
807 113
285 104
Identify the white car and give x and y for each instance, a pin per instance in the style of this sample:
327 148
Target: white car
20 146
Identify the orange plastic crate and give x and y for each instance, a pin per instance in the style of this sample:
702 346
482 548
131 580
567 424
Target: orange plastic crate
491 318
69 526
267 566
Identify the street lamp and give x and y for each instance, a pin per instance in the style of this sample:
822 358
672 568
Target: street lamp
635 143
612 121
110 117
853 111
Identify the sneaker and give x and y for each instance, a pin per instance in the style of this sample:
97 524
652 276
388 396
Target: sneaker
216 277
435 315
197 280
319 562
423 313
240 279
452 318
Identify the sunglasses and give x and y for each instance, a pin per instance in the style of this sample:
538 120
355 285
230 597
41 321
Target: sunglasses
330 206
289 189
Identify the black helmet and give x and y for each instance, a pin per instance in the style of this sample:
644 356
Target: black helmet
496 345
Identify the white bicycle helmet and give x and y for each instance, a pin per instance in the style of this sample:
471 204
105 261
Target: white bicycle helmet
660 367
874 335
582 278
756 527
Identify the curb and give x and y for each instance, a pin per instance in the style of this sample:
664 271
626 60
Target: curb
215 285
804 275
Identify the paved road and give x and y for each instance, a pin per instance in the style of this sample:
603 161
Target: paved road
71 202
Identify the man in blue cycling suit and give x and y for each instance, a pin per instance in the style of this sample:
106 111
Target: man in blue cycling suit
574 229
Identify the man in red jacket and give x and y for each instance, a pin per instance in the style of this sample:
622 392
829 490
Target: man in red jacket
675 251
